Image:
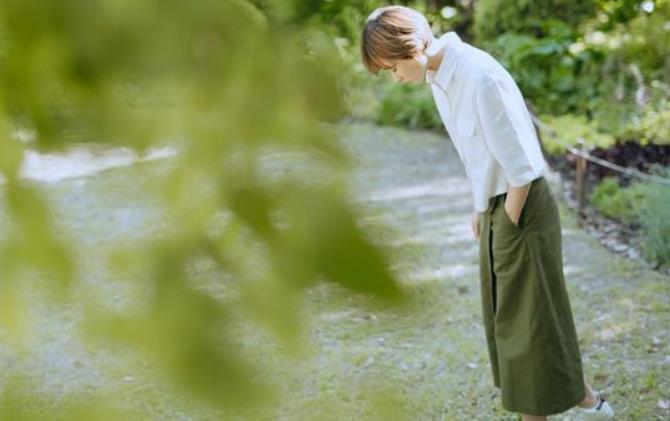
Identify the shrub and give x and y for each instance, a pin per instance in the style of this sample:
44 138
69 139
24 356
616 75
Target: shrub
643 202
655 222
569 128
549 70
623 204
408 105
495 17
652 127
608 67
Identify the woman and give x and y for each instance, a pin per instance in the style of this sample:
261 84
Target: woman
531 337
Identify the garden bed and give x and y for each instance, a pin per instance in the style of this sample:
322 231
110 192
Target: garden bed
622 235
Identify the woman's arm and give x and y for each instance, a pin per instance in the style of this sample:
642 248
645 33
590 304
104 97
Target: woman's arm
516 198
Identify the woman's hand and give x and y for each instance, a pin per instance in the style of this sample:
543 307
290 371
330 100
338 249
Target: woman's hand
474 222
512 214
515 201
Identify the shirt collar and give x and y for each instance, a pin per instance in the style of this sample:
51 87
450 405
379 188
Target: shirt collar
452 42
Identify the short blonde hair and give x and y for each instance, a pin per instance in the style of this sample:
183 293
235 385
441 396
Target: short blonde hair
393 32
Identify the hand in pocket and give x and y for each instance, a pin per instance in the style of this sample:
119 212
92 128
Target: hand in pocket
511 215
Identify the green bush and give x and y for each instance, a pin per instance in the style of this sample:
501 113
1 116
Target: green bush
360 91
652 127
613 201
549 71
408 105
611 67
495 17
643 202
654 220
569 128
646 41
632 79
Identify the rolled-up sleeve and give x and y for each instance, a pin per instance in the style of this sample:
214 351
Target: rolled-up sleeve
505 131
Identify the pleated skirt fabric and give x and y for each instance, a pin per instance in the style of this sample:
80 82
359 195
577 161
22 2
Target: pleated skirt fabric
530 332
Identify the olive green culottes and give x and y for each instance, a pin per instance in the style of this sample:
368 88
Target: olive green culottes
530 333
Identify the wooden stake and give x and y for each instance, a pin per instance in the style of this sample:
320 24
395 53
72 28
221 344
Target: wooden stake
580 182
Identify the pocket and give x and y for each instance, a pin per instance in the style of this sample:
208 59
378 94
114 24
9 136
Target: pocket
509 254
537 194
508 219
535 211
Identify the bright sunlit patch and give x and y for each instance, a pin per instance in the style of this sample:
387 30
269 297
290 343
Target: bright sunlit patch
448 12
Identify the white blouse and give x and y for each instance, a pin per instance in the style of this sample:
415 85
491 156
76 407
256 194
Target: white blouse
486 118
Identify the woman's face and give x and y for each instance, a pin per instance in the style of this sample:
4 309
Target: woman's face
411 70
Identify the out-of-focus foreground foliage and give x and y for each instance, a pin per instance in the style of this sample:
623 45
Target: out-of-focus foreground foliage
231 83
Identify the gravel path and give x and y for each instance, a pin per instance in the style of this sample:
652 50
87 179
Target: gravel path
429 363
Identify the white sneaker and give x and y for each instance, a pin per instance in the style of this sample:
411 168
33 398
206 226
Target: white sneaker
600 411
